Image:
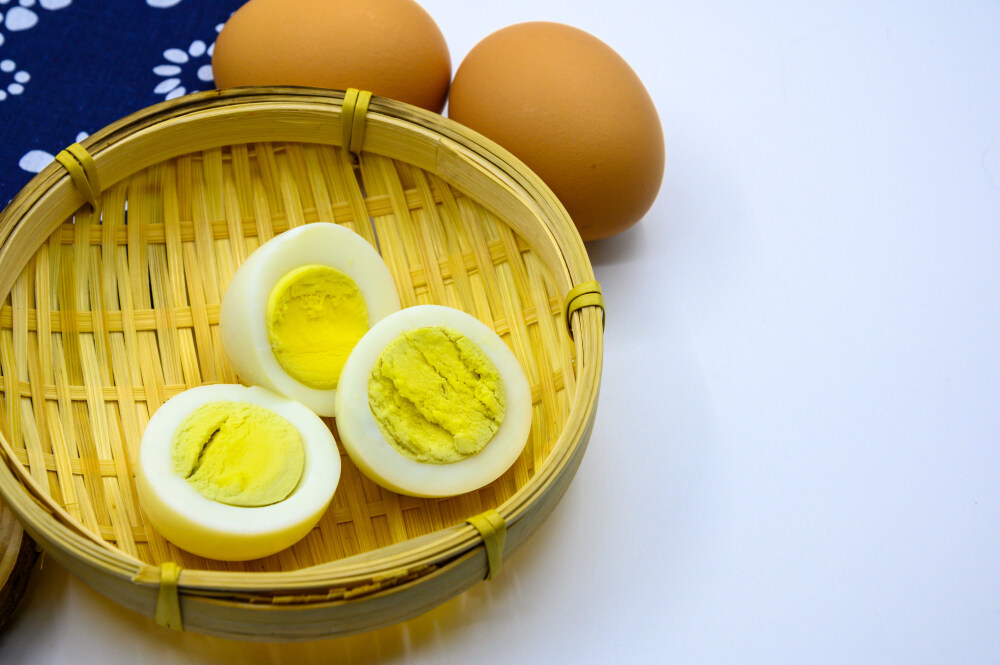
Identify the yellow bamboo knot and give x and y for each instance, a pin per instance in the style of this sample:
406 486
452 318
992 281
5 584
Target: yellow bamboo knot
493 529
352 119
585 294
168 605
82 170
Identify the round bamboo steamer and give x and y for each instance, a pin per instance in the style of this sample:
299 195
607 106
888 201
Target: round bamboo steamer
111 306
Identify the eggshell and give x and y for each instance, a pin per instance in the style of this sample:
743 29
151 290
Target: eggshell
574 111
391 47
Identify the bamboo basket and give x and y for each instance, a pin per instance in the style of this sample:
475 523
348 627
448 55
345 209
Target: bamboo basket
17 556
111 307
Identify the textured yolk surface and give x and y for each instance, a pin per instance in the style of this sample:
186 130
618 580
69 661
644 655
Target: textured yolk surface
436 396
238 453
315 316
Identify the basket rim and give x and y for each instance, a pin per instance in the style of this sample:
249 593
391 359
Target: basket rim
34 506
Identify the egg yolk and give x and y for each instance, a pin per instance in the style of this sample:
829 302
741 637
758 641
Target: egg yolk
436 397
315 316
238 453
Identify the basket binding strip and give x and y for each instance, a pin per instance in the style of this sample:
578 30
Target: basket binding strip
82 170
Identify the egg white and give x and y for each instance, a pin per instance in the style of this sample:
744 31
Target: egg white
379 460
217 530
243 319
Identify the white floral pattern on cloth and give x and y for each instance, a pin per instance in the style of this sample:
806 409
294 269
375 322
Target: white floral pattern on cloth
180 65
12 79
23 15
162 4
34 161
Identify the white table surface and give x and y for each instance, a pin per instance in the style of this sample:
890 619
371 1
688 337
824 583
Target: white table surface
797 451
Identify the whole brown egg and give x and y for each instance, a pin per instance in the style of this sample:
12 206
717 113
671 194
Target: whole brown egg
574 111
391 47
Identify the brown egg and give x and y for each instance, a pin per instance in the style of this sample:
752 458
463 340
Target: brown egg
391 47
574 111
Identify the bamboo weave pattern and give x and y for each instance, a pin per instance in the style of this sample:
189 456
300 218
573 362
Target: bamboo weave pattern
119 309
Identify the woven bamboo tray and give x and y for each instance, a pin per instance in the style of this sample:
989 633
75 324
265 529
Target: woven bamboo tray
111 307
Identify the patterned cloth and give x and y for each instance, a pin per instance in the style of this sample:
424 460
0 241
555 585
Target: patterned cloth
70 67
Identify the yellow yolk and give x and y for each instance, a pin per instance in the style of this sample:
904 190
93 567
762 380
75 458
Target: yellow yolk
436 396
238 453
315 317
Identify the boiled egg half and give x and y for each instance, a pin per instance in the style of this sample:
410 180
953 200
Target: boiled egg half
234 472
296 307
432 403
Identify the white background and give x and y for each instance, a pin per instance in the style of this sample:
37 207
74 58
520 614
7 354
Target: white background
797 450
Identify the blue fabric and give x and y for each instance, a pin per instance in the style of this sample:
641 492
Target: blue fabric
70 67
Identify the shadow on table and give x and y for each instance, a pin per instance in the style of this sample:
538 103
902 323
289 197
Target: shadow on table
62 618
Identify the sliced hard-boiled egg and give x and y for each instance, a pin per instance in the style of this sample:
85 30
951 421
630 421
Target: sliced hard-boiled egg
234 472
297 306
432 403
